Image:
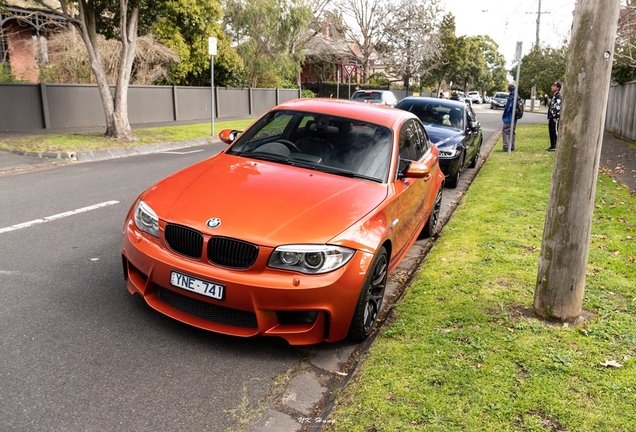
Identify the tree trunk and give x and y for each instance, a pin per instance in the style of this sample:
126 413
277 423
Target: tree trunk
128 26
115 106
566 237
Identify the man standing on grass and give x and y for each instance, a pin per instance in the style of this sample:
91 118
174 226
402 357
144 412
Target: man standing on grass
508 121
554 114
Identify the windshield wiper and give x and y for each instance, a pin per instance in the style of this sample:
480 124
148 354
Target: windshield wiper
345 173
265 156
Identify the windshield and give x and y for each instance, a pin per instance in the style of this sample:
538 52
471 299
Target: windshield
320 142
435 113
501 95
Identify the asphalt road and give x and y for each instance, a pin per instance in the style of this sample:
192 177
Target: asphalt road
77 352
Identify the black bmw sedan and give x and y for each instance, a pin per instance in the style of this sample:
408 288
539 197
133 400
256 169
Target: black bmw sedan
453 127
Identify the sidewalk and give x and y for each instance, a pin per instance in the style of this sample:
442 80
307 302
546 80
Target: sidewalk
618 159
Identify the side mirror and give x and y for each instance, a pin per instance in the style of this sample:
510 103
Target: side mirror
474 125
413 169
228 136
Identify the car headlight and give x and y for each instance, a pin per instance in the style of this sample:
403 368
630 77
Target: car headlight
448 153
146 219
310 259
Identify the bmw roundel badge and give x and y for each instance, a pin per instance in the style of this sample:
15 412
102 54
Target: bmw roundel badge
213 223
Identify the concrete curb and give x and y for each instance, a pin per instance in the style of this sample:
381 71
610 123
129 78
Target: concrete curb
46 155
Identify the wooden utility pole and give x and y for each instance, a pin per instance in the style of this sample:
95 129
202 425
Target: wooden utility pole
538 24
566 236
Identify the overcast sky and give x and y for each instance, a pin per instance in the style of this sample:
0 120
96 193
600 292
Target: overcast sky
509 21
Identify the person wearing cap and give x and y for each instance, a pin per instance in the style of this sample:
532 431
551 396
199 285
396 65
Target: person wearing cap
554 114
508 121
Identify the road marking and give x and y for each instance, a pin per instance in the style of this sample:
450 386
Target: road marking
57 216
182 153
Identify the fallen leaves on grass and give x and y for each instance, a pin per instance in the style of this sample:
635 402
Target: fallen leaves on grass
611 363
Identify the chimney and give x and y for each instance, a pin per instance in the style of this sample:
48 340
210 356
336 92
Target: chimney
325 30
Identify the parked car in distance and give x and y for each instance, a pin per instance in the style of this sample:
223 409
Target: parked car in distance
461 97
499 100
474 96
292 230
380 97
453 127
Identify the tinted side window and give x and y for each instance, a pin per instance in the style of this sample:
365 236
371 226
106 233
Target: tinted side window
426 143
411 146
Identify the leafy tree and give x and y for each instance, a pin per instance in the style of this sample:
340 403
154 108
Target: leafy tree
541 67
493 77
5 74
185 26
450 58
468 62
268 34
379 79
411 37
473 68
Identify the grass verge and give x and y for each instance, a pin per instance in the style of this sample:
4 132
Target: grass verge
96 141
465 353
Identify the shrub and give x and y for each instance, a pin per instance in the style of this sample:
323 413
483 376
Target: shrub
307 94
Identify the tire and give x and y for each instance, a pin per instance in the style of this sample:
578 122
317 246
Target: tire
453 181
430 228
370 300
473 161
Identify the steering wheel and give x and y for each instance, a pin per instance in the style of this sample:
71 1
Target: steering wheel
290 145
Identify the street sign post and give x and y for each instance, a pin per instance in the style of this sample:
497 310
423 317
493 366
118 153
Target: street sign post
514 102
349 68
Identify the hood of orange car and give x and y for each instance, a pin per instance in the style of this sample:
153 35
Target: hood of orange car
263 202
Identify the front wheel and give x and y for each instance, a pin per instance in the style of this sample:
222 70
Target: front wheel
473 161
430 228
453 181
370 300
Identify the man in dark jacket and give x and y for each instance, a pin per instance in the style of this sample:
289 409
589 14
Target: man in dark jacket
554 114
508 121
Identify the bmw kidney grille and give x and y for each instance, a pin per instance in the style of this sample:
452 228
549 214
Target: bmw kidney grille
222 251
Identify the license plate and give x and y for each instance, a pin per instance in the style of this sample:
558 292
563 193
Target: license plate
206 288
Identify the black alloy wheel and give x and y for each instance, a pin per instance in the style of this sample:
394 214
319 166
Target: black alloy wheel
453 181
430 228
370 300
473 161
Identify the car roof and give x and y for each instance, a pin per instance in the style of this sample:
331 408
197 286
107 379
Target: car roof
382 115
434 101
373 91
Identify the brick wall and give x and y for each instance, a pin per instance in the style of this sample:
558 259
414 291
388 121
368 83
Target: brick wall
21 55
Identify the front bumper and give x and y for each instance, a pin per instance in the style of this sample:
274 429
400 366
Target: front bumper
449 166
303 309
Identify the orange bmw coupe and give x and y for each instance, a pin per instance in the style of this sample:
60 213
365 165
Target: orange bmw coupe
293 229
